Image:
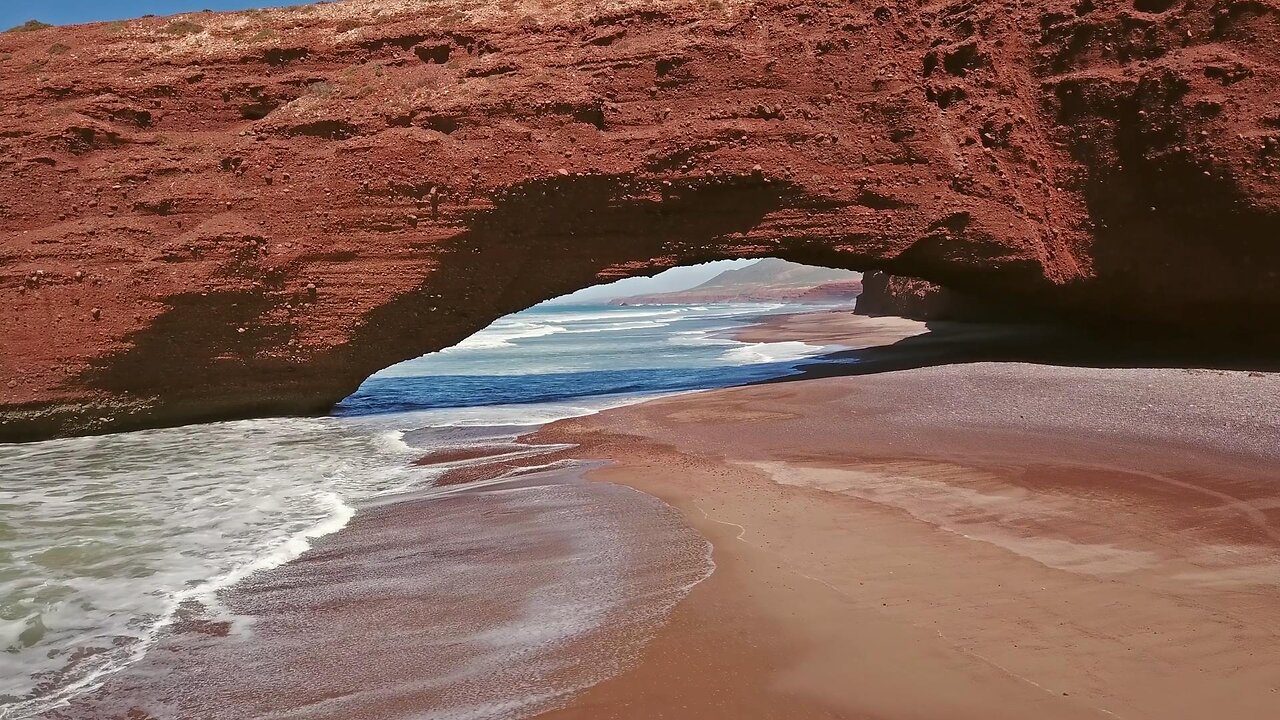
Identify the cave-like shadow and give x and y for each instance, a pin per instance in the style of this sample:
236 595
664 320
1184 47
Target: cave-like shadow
1181 234
954 343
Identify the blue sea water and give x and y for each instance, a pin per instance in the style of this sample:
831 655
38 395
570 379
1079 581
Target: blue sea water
556 352
103 538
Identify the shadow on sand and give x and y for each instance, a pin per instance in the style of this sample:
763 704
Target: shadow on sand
952 343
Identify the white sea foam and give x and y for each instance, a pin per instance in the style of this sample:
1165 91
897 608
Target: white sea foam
192 510
503 333
226 500
742 353
518 414
617 313
628 561
701 338
754 353
276 554
106 537
633 325
393 440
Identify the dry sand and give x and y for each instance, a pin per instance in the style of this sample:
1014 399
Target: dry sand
986 540
981 540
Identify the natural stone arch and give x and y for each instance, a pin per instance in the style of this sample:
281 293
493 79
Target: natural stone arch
252 214
236 352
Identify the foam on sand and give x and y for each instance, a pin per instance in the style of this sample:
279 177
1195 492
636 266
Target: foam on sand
758 353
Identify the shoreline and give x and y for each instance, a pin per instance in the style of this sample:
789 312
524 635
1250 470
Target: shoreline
957 541
759 639
969 527
492 600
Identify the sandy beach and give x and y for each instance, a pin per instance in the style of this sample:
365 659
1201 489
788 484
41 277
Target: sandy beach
960 539
987 540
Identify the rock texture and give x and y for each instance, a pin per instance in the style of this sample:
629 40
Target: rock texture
222 215
885 294
908 297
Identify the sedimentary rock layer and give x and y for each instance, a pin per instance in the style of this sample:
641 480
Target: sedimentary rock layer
221 215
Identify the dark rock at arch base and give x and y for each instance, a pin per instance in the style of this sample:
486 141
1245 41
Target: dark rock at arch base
918 299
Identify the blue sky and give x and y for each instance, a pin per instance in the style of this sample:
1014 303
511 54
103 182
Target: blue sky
61 12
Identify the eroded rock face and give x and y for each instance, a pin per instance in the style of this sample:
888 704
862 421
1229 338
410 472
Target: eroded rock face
222 215
885 294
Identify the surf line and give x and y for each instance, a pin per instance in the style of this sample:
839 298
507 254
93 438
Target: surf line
741 530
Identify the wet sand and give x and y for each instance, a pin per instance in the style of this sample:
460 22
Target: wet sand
987 540
980 540
449 456
491 601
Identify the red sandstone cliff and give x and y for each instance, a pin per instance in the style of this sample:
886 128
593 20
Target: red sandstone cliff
220 215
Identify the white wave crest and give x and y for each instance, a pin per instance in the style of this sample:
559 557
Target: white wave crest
502 334
756 353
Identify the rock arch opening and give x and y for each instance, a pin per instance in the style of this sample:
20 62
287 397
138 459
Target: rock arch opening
677 330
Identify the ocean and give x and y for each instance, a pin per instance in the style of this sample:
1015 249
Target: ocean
107 543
